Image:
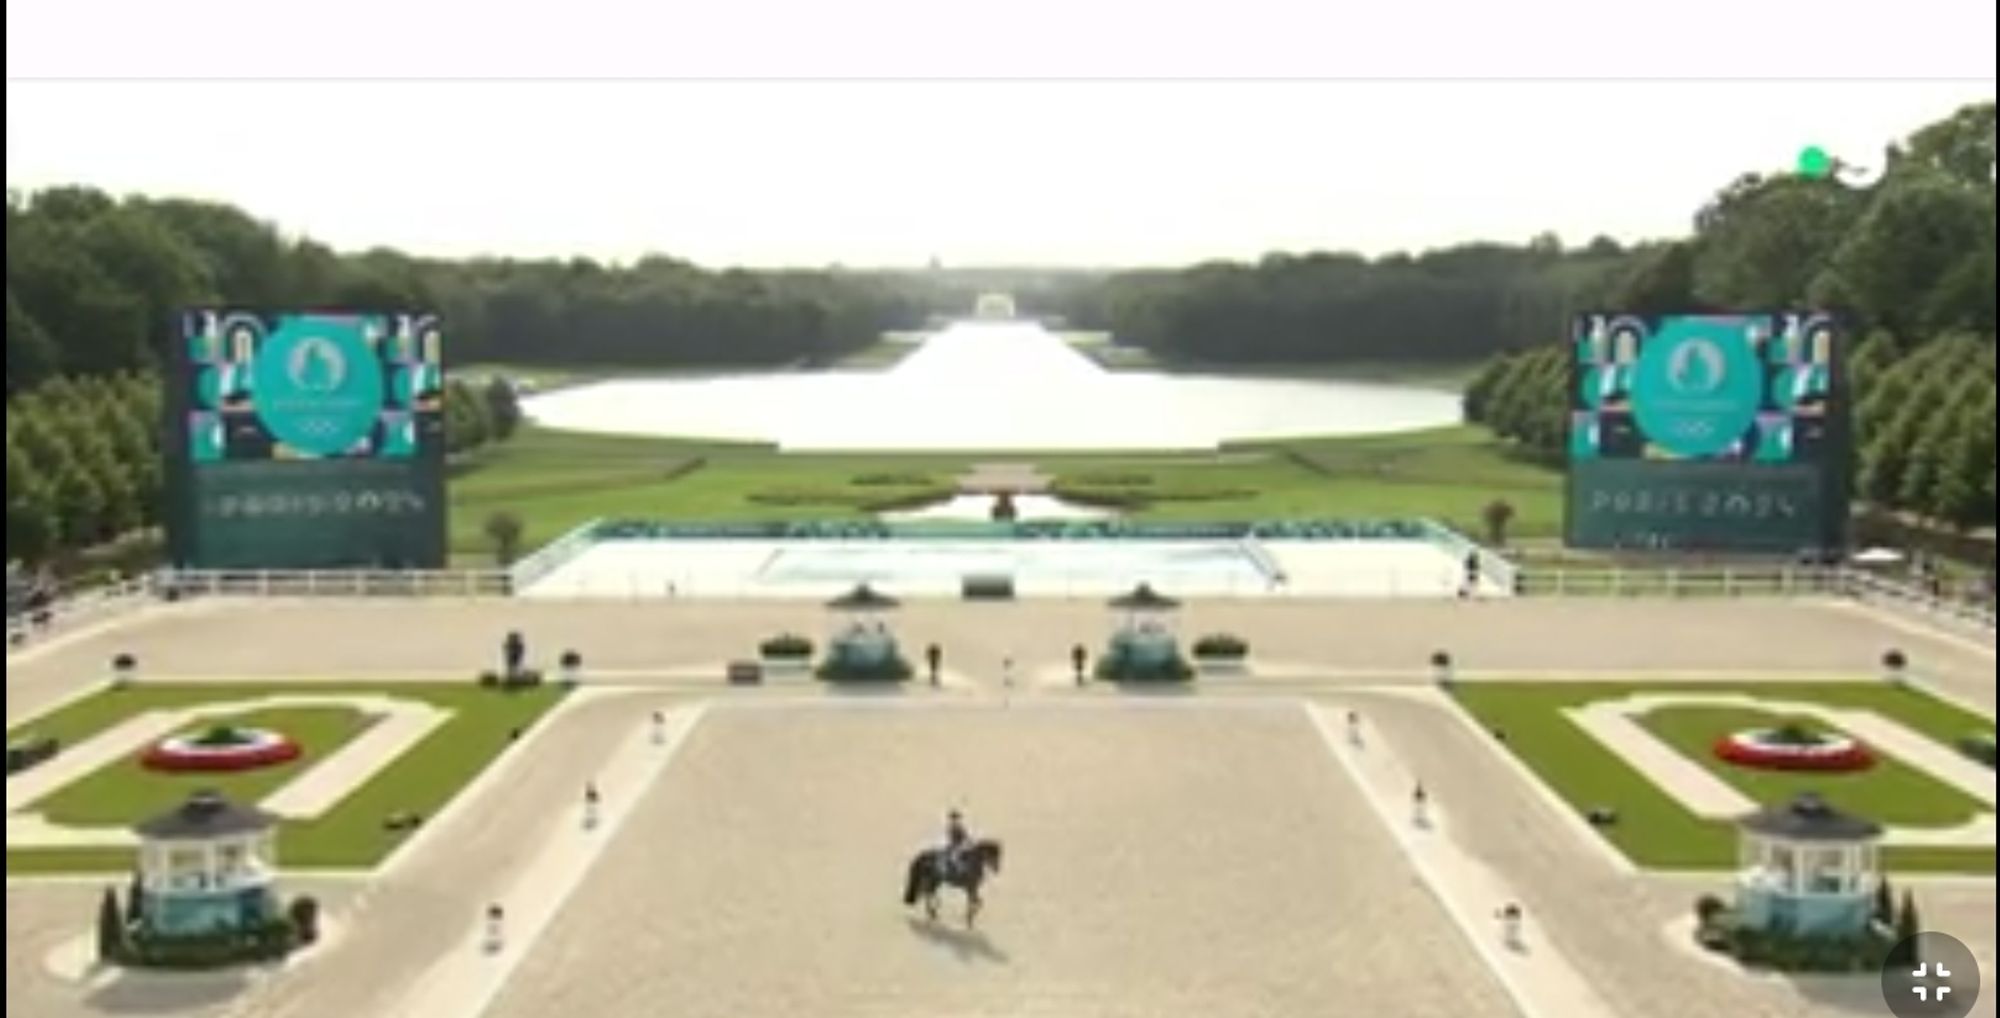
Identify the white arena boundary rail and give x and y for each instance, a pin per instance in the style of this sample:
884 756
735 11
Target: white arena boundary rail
1537 582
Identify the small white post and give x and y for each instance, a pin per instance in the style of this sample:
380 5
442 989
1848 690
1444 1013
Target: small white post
495 934
1354 728
1441 668
1420 816
591 806
659 728
1510 926
1895 668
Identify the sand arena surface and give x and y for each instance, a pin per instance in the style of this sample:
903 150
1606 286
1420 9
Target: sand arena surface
1197 856
1171 861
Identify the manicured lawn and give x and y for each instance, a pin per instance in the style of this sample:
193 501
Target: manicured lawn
1653 830
422 780
1890 792
124 791
555 481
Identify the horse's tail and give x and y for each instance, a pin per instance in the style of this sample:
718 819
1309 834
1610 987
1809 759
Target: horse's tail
913 888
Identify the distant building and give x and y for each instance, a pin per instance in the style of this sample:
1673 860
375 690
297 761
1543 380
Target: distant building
994 307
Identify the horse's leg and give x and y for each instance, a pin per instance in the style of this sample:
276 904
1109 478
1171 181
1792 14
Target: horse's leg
972 904
931 903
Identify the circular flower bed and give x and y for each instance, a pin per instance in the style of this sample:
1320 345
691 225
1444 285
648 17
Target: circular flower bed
222 748
1793 749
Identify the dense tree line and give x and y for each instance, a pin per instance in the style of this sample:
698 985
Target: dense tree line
1913 256
92 283
1457 304
83 463
1909 263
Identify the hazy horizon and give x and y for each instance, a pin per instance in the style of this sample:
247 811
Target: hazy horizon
888 176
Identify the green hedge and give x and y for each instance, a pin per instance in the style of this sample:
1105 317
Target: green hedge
1779 952
1225 646
269 942
786 645
1175 669
896 669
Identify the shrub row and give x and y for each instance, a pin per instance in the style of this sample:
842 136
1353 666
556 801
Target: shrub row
1175 669
895 669
268 942
1221 645
785 645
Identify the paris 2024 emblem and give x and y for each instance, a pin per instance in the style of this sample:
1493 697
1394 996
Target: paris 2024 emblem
319 388
1698 386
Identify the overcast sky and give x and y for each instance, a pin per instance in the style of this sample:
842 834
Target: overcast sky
990 173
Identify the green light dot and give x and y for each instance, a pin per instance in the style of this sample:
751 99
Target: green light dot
1815 162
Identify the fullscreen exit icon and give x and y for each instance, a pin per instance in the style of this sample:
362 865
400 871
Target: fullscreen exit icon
1930 975
1931 993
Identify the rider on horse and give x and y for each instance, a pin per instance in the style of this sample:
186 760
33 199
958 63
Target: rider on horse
955 840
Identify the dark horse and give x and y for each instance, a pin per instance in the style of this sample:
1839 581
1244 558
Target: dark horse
927 876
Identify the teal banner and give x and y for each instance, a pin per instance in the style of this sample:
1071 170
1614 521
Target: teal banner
306 440
1708 432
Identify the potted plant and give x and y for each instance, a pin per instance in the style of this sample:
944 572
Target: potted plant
571 664
786 650
1220 651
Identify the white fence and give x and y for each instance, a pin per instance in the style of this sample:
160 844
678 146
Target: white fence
106 602
335 583
1802 581
78 609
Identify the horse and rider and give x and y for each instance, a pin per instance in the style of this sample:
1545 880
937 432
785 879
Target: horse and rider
961 862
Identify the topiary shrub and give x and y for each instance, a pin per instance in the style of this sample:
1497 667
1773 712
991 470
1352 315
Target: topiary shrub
1708 907
1978 746
1221 646
112 946
785 646
489 679
304 914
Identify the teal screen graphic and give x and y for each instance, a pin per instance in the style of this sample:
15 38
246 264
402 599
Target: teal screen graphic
306 440
1707 432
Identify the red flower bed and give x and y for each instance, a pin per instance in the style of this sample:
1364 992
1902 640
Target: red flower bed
183 755
1836 753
